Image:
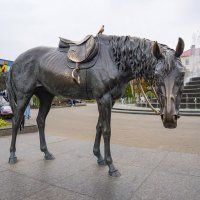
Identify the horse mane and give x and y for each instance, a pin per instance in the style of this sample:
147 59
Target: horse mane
136 53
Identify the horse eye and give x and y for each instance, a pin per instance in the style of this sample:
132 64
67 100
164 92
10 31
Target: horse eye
159 82
179 81
182 74
157 77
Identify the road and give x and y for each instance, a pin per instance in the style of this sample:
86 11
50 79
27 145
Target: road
145 131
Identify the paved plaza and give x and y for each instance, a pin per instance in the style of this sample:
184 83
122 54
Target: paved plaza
155 163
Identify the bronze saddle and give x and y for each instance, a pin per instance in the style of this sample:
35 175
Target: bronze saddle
79 52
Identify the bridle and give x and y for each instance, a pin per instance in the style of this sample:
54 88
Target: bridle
139 85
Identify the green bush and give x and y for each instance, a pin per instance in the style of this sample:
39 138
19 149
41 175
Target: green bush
150 94
128 91
90 101
36 102
3 123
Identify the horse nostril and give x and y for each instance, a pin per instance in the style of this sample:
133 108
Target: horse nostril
172 97
175 117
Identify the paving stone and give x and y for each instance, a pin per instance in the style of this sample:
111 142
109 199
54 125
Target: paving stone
31 156
25 159
167 186
181 163
74 173
95 181
71 147
4 155
20 144
28 149
33 139
54 193
137 156
5 145
53 171
15 186
4 138
5 152
75 147
2 169
22 152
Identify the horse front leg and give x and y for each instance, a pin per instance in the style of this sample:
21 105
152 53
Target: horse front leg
106 106
96 148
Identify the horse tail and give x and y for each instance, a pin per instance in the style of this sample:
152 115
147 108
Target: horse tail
11 90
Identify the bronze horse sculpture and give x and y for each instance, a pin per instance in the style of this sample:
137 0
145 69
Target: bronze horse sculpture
104 65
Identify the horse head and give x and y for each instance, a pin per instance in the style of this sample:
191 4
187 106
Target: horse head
169 81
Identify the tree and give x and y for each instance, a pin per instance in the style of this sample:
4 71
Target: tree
144 84
128 92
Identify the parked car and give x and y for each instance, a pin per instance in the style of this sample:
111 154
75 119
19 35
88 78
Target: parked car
6 111
75 102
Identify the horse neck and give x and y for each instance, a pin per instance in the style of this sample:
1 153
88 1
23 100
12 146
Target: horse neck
133 55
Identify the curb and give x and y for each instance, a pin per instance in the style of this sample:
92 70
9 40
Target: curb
6 131
149 112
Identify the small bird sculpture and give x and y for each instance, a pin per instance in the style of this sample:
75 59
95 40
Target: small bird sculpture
101 30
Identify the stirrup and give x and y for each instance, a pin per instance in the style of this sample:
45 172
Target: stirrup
76 71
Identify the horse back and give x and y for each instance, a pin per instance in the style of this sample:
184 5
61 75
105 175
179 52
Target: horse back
47 67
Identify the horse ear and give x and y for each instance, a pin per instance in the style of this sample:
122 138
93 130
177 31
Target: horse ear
180 47
156 51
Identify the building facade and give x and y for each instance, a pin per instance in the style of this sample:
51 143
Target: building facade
191 60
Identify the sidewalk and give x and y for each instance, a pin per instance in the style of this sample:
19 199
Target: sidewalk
147 174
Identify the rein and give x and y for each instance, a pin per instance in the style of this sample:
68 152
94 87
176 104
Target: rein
148 102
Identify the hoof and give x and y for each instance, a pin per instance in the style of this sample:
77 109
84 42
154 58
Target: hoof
115 173
49 156
101 162
12 160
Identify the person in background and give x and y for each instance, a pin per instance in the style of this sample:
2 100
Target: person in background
4 67
27 113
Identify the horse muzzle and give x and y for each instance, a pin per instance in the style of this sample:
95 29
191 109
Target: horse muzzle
169 112
169 121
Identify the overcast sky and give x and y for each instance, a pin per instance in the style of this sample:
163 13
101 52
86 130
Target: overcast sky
30 23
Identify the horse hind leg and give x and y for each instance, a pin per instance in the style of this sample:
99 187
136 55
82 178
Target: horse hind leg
18 114
96 148
45 105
